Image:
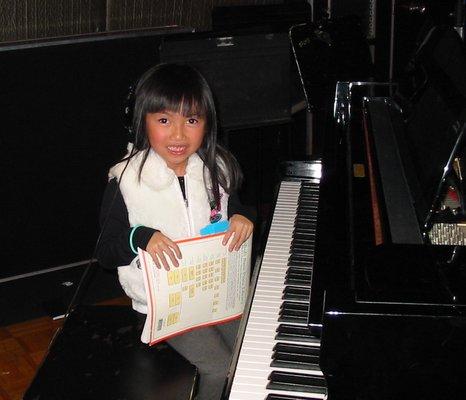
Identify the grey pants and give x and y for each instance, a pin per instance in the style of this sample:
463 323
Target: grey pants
209 349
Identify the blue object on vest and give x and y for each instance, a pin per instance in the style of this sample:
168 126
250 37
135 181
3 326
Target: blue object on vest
217 227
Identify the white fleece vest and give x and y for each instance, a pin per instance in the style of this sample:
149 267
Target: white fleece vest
156 201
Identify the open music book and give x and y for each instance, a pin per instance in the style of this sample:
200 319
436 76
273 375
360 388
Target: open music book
209 287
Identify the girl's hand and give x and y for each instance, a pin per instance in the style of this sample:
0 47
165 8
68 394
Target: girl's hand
241 228
159 247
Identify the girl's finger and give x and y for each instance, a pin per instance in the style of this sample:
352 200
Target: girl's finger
163 260
155 259
241 240
227 236
236 239
168 251
176 249
233 241
165 251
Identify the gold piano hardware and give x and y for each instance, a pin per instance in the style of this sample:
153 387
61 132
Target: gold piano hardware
359 171
457 168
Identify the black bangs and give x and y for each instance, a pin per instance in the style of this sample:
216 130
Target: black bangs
182 104
176 91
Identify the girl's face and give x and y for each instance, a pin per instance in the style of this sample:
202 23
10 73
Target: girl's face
175 137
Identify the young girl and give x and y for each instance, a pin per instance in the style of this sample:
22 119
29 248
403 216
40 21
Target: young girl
174 181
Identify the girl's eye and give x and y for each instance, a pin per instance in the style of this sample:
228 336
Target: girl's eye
163 120
192 121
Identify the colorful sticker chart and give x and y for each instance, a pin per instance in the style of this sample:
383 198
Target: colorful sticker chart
210 286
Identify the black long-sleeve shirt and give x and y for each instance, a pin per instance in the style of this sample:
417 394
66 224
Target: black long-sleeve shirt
113 249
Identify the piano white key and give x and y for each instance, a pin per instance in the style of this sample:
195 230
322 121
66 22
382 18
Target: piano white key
271 322
254 387
275 300
264 344
253 368
245 393
254 342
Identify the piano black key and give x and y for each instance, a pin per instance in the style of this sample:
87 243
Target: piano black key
302 217
298 272
307 211
299 251
306 243
299 245
303 235
295 333
308 201
294 293
302 228
298 280
295 356
305 230
300 257
296 382
307 204
285 397
292 316
306 215
308 198
309 232
293 312
302 266
294 306
309 258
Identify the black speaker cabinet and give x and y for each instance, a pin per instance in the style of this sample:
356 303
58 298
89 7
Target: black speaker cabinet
249 74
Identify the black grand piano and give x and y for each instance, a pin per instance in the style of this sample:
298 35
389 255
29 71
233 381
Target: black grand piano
361 290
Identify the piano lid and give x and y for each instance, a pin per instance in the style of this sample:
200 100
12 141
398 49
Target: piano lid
393 264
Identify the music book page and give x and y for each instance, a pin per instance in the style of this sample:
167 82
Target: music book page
209 287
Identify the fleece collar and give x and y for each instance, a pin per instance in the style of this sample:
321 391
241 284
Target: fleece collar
155 172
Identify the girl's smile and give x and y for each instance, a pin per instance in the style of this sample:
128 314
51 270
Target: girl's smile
175 137
176 150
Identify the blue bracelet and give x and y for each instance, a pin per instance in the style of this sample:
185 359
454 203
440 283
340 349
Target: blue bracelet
131 238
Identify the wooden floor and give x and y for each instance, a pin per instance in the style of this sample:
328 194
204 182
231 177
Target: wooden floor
22 348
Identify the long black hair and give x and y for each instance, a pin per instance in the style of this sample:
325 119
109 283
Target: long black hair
181 88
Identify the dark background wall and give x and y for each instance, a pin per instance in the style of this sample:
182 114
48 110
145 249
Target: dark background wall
32 19
61 103
55 160
65 68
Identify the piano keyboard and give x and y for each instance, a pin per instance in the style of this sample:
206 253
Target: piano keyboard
279 358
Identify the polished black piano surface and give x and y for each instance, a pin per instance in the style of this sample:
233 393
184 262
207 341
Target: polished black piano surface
387 306
390 307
